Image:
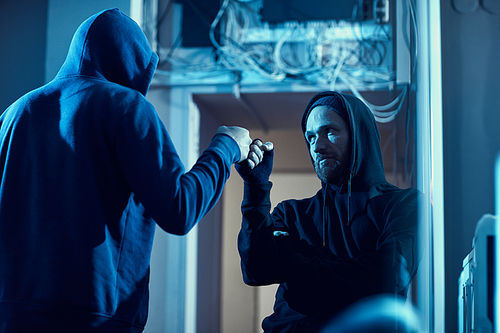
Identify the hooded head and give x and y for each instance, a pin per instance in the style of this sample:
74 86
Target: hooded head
363 159
111 46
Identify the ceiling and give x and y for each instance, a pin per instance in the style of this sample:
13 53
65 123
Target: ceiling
263 111
274 110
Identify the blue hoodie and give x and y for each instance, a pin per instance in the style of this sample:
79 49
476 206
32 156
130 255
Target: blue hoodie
87 170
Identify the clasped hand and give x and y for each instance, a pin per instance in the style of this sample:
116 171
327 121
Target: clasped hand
259 164
252 154
256 153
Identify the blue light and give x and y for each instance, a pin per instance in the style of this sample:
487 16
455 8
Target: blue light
497 254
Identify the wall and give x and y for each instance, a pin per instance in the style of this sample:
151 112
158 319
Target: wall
34 39
64 17
471 117
22 54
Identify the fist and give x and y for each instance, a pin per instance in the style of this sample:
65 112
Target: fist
256 154
240 135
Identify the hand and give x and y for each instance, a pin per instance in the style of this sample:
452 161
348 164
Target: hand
240 135
256 154
259 165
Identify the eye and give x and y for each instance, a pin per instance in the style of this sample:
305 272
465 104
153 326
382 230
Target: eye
311 139
332 133
332 137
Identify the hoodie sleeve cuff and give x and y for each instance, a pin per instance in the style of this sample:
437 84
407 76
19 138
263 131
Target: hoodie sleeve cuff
226 147
257 193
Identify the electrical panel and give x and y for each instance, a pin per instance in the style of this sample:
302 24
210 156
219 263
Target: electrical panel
355 45
274 11
197 15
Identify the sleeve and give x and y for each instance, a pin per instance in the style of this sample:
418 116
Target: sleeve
175 199
319 287
259 253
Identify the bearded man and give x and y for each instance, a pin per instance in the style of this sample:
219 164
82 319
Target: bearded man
354 239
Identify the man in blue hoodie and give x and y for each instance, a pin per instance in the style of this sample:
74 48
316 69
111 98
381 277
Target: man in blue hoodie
354 239
87 169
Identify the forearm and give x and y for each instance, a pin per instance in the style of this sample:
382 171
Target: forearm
191 195
260 259
153 170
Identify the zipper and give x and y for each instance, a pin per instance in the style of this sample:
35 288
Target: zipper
325 189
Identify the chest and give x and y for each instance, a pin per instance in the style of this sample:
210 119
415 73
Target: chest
330 229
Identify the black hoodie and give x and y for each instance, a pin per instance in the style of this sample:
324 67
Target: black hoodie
343 244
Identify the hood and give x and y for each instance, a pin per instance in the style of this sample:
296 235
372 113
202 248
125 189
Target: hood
111 46
366 167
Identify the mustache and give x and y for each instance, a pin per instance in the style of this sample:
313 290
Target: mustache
319 157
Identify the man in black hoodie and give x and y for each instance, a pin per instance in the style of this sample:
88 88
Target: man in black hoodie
354 239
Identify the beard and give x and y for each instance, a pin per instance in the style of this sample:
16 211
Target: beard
332 171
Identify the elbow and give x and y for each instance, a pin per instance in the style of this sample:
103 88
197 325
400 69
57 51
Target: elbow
175 226
248 278
179 231
257 280
249 281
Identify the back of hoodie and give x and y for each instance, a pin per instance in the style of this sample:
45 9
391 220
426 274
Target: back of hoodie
86 169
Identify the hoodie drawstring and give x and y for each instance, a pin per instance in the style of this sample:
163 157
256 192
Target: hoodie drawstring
349 199
324 214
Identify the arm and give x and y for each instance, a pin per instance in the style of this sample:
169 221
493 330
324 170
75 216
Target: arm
256 244
175 199
260 259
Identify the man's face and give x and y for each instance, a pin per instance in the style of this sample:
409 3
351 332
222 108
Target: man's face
330 144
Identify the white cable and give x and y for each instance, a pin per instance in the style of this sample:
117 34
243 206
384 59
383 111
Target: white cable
216 22
329 56
278 57
382 117
336 73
